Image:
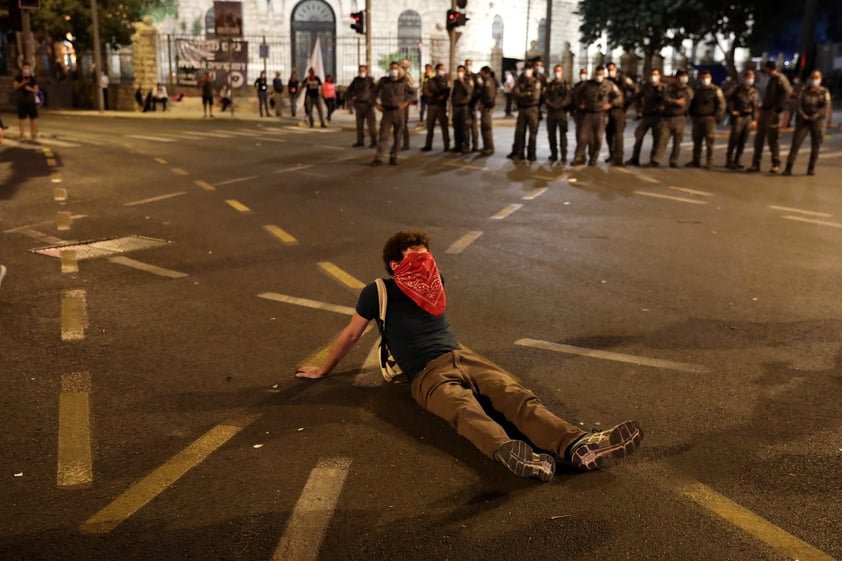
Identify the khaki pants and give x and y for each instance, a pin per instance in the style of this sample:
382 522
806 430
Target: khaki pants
704 129
390 122
486 129
672 128
450 386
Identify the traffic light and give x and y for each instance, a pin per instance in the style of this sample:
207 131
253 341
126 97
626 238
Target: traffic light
455 19
359 22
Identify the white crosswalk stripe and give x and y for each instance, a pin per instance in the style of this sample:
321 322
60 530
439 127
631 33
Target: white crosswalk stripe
152 138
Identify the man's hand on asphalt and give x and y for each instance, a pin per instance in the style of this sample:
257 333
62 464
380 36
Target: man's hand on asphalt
307 371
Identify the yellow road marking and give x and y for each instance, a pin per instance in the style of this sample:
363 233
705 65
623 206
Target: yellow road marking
59 194
507 211
754 525
238 205
280 234
307 303
69 264
63 220
142 492
466 166
308 523
535 194
340 275
161 161
463 242
179 171
549 178
205 185
74 315
608 355
52 162
55 177
74 431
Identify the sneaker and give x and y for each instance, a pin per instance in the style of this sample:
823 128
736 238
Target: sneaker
597 449
426 148
775 169
522 461
632 162
3 270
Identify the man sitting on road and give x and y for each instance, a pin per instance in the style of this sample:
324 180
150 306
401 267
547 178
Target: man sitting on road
450 381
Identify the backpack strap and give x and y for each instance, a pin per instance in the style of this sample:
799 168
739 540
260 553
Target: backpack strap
383 300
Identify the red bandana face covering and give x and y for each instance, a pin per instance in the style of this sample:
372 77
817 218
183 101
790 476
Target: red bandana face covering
417 275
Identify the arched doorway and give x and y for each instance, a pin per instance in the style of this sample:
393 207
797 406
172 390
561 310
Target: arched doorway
311 20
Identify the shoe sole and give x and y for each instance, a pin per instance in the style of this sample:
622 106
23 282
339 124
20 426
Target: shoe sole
524 462
624 439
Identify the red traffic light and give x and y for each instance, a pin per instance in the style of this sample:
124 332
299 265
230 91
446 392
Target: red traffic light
455 19
359 22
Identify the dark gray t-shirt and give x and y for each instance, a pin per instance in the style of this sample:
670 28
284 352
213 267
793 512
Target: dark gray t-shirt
415 337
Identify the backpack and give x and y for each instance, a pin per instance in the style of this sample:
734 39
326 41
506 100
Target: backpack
388 365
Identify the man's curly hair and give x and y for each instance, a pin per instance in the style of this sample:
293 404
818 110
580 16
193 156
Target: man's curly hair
401 241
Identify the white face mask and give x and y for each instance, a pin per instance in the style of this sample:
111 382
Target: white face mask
539 69
468 68
654 79
749 82
460 75
441 73
394 73
599 79
612 73
528 74
558 75
363 74
705 81
816 83
583 77
684 79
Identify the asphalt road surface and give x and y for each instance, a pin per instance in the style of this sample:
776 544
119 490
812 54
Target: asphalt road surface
146 372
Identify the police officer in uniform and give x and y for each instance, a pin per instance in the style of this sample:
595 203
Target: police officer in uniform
707 106
651 99
741 105
436 91
617 114
778 90
558 100
406 75
487 100
574 107
594 99
395 94
542 77
812 106
361 96
460 97
677 99
471 118
527 94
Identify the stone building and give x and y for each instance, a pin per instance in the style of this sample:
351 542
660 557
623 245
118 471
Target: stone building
289 29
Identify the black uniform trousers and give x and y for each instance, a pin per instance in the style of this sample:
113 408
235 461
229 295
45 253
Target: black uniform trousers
614 134
557 132
365 116
437 114
589 136
460 128
647 123
672 128
740 129
391 119
527 117
802 128
704 129
768 127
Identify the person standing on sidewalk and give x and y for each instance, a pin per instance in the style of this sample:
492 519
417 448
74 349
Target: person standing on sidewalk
207 96
292 91
454 383
312 85
742 103
437 92
262 88
361 96
812 107
329 96
278 94
508 86
394 94
707 106
26 89
778 90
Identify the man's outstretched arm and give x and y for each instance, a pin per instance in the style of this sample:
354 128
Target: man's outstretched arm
346 341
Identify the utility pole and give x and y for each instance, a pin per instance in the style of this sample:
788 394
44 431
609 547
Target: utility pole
100 102
451 68
368 35
28 46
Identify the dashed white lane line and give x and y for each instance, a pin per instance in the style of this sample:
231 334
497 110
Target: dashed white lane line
156 199
307 303
465 166
152 138
800 211
74 465
830 155
305 530
74 315
146 267
237 180
617 357
691 191
810 221
535 194
462 243
297 167
508 211
21 229
671 198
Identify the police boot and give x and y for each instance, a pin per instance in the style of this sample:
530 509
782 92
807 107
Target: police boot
553 157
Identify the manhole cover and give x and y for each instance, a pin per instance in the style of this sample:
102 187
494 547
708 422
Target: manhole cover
95 249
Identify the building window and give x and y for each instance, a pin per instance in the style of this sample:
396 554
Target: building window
210 25
542 35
